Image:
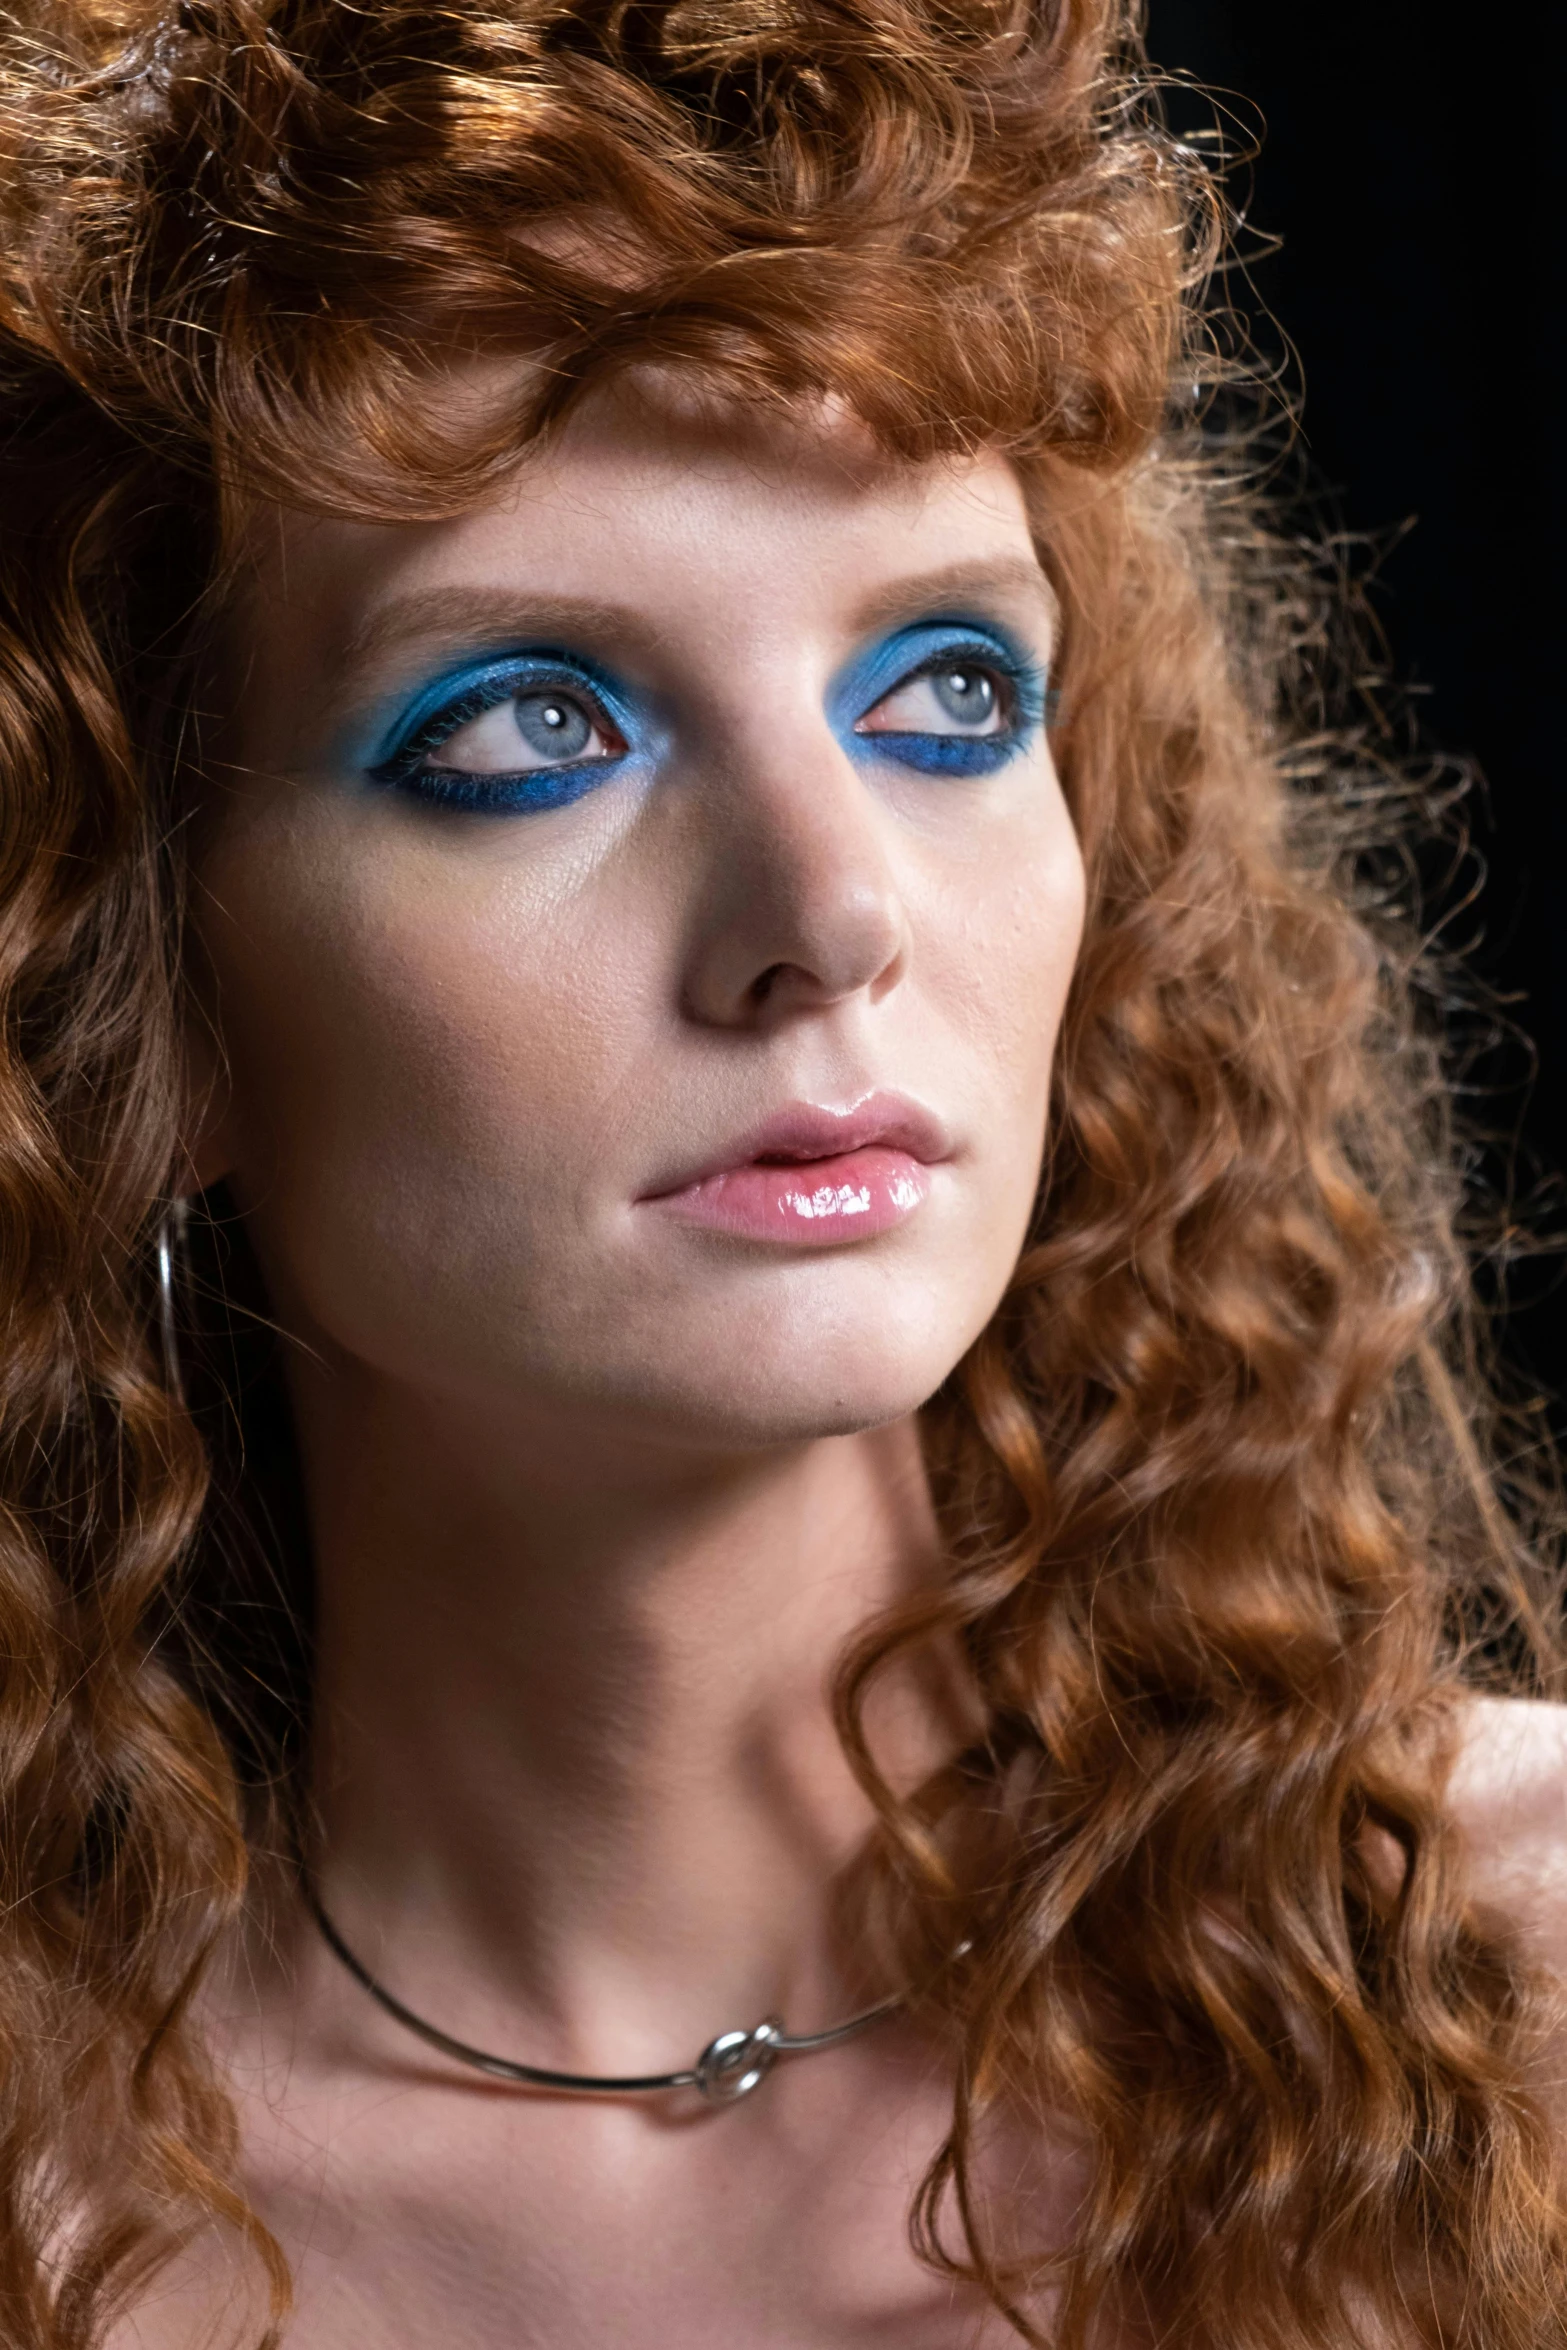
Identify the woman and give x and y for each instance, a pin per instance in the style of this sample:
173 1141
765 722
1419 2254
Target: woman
646 750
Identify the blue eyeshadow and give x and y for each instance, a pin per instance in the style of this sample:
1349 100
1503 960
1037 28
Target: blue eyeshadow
912 652
459 696
402 755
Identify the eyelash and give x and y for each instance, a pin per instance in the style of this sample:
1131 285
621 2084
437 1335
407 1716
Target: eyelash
534 788
403 768
1028 704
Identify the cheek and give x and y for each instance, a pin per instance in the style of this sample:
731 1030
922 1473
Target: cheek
1004 928
450 1061
418 1044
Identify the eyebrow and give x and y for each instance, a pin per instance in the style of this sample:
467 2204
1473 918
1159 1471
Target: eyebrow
1006 575
462 612
465 613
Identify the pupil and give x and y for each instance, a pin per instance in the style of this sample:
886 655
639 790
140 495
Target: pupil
550 723
965 694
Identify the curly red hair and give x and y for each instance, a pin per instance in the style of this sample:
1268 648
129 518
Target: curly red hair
1214 1482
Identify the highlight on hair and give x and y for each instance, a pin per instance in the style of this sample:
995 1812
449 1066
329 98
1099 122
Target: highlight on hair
1224 1542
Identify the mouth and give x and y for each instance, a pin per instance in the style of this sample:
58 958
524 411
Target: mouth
812 1177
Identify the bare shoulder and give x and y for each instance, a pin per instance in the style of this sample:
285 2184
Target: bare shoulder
1508 1794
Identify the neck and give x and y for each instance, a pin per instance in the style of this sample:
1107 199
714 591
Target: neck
576 1763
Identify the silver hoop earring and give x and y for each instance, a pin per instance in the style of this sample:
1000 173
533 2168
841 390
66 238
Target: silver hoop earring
171 1239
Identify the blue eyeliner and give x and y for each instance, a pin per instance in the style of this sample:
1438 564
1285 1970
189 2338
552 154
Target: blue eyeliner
454 700
403 758
914 652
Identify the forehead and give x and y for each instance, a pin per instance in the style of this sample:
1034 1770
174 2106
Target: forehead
674 535
648 491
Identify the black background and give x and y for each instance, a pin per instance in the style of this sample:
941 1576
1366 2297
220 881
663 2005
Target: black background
1412 164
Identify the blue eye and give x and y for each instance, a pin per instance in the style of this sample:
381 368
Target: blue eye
962 701
533 731
971 696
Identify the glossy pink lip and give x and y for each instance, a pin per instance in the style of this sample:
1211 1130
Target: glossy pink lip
815 1178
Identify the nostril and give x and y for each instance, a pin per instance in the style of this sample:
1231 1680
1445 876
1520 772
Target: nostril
762 985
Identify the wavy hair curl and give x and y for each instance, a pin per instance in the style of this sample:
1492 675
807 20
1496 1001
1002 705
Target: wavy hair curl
1215 1483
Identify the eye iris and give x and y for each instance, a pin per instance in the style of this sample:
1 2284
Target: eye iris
969 695
549 723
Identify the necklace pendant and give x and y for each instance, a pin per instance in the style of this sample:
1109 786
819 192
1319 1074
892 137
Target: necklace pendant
734 2064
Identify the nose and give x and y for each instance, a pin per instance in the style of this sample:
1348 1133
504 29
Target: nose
798 905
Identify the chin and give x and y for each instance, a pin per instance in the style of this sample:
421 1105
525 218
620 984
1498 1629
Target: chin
783 1388
764 1419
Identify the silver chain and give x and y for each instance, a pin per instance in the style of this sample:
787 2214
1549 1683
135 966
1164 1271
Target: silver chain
729 2067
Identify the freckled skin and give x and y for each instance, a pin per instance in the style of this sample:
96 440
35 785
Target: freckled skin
597 1496
466 1045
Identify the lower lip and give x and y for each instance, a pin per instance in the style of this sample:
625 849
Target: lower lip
817 1203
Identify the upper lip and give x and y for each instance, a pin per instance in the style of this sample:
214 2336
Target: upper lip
802 1131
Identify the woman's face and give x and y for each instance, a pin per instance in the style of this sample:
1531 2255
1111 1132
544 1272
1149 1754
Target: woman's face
639 914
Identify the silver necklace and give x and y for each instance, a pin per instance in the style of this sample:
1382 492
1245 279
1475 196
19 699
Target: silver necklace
728 2068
